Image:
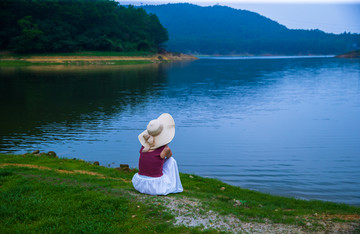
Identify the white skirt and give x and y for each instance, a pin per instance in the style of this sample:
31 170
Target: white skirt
169 182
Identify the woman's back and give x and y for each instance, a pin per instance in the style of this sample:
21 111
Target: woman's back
150 163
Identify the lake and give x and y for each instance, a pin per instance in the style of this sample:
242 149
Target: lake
287 126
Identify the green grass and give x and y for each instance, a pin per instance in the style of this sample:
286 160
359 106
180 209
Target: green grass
256 205
6 59
34 200
19 63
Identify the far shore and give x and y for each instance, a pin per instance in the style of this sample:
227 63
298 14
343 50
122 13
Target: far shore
351 54
9 59
108 58
263 55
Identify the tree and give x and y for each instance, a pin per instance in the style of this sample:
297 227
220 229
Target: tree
65 26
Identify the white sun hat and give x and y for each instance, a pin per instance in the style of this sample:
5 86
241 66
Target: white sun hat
159 132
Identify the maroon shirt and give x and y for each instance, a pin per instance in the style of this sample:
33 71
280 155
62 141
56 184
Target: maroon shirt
150 163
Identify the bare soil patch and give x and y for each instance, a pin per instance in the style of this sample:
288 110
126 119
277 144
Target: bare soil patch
191 212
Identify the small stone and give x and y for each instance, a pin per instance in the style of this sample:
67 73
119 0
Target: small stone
52 153
124 166
222 188
308 224
133 216
316 214
36 152
190 176
138 206
96 163
237 203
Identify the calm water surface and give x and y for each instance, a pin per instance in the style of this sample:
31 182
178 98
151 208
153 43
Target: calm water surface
287 126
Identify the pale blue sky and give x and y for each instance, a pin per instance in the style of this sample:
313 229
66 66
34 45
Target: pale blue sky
333 16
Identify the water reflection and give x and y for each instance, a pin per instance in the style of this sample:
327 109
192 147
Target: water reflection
72 96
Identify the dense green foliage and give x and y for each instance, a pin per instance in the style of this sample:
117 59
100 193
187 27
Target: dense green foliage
76 25
224 30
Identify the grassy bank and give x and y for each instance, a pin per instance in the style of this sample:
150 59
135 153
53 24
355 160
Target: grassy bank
22 63
47 194
86 58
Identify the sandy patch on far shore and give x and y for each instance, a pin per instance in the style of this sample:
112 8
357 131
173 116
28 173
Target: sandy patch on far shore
66 59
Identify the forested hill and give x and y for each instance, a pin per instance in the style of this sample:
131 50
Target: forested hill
77 25
224 30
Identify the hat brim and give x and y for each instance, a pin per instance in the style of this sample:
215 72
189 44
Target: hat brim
167 134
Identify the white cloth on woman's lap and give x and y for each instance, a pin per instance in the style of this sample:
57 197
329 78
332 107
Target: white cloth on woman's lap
169 182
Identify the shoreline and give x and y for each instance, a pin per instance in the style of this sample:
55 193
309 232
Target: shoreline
235 57
8 59
204 205
263 55
355 54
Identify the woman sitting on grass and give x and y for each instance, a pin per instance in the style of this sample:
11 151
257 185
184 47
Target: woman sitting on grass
158 172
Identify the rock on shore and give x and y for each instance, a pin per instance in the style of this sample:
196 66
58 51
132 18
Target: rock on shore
351 54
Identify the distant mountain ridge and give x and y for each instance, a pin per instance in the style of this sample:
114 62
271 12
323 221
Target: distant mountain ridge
224 30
